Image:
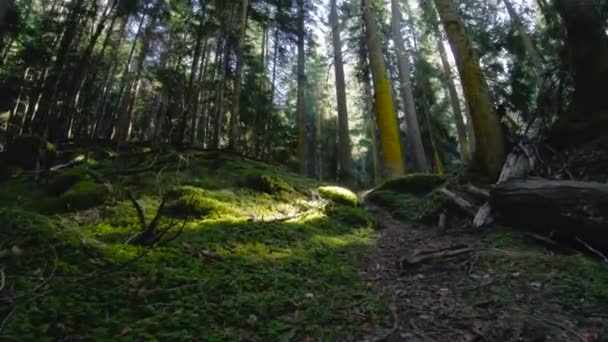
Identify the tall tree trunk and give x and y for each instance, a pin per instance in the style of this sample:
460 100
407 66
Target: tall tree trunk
461 128
125 116
385 111
405 88
235 121
345 163
587 49
490 149
301 96
373 129
464 138
525 38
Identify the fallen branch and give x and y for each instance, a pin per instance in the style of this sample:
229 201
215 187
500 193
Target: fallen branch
79 159
592 250
459 201
479 192
554 323
2 280
424 256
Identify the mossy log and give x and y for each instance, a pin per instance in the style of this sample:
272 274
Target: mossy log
566 210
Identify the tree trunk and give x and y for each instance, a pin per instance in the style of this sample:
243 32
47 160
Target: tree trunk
563 209
373 129
405 88
385 111
235 121
588 56
525 38
345 163
461 128
301 96
490 149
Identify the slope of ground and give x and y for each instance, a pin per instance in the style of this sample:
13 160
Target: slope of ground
262 255
496 286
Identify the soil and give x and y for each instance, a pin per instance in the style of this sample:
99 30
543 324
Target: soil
466 297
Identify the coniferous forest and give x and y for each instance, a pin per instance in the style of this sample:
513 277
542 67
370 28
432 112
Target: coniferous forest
304 170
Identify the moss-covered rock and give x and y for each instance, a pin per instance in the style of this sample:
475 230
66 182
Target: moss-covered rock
60 183
26 150
339 195
189 201
410 207
84 195
268 184
417 184
351 217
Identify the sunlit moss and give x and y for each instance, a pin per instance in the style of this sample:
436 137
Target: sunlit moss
339 195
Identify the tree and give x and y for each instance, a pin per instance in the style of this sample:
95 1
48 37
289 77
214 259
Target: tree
344 146
301 96
405 88
448 78
490 145
587 50
234 119
385 110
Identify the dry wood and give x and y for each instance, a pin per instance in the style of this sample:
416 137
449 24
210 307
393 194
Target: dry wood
459 201
431 255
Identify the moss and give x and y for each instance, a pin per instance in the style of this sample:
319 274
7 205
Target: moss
409 207
60 183
25 150
84 195
189 201
268 184
339 195
416 184
351 217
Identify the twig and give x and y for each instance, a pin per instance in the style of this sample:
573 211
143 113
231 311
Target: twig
592 250
6 319
554 323
2 279
45 281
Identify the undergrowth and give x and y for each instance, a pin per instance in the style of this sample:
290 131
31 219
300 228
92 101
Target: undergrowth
250 265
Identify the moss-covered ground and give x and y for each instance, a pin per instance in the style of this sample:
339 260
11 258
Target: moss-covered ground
262 256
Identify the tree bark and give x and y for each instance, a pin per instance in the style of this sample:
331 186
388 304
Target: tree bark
564 209
588 56
301 96
235 120
405 87
461 128
345 164
385 111
490 149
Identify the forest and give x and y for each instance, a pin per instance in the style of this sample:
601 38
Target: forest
304 170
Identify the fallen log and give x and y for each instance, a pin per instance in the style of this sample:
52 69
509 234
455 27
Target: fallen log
459 201
565 210
434 255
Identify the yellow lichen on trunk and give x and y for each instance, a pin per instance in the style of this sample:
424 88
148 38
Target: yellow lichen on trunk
386 118
490 147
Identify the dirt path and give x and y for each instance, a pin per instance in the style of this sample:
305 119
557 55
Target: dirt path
465 297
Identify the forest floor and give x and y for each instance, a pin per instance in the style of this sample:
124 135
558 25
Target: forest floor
489 286
268 255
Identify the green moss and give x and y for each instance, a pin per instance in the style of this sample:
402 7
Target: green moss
60 183
351 217
339 195
416 184
25 150
409 207
268 184
188 201
84 195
